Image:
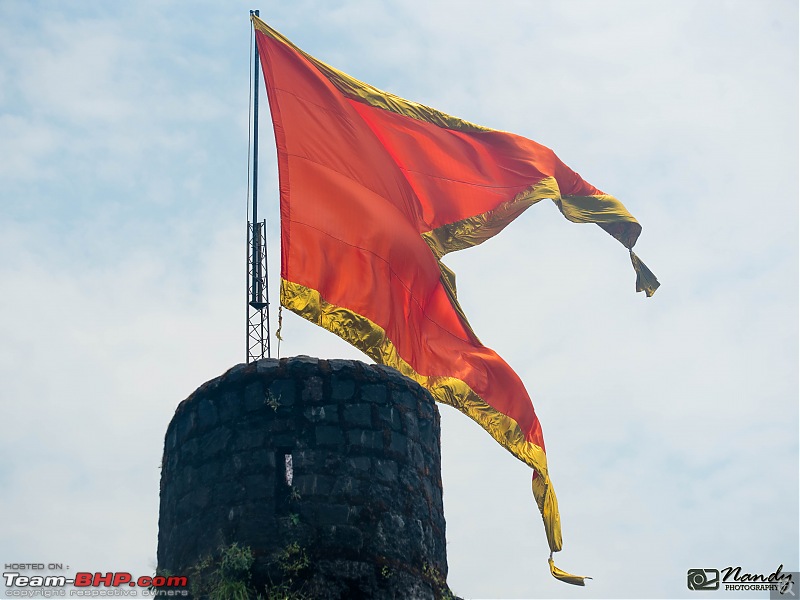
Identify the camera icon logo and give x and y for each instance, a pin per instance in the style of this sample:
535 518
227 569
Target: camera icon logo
703 579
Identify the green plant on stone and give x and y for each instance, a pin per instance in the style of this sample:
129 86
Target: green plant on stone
235 563
232 590
229 576
291 520
272 401
203 568
292 559
433 575
282 592
225 579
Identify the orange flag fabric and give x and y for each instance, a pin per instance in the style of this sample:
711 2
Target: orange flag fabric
374 191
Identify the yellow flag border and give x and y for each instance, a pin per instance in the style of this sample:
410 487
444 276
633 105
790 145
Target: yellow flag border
603 209
371 339
363 92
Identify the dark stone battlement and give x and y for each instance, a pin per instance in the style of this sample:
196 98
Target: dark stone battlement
334 460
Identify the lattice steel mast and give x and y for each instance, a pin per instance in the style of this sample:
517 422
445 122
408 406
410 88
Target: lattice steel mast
258 342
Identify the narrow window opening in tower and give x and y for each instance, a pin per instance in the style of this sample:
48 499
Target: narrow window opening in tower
289 469
284 477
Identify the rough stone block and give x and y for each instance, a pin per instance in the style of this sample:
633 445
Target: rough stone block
236 493
338 365
285 440
206 414
248 462
391 374
405 399
282 425
232 467
302 365
234 373
379 495
254 397
358 415
305 460
168 465
307 511
228 407
185 427
411 424
366 439
399 444
428 490
331 413
417 457
426 432
214 442
281 392
389 416
409 478
393 523
426 411
248 439
357 574
194 501
342 389
267 367
385 470
332 462
313 485
345 536
373 393
209 474
189 450
332 514
322 414
360 465
312 390
328 435
346 487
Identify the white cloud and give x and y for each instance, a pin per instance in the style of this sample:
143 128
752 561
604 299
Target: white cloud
670 422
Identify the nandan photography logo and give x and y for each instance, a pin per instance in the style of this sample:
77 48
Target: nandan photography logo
737 579
703 579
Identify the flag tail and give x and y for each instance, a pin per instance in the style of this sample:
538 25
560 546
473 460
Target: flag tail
564 576
645 280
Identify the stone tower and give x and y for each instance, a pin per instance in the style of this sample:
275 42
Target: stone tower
327 470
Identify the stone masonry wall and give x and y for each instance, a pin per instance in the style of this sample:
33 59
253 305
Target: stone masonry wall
335 459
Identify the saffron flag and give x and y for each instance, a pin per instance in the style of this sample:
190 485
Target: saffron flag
374 191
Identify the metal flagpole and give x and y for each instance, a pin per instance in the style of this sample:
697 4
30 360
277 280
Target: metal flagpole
258 342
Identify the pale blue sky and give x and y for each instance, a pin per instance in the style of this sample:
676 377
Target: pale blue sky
671 422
